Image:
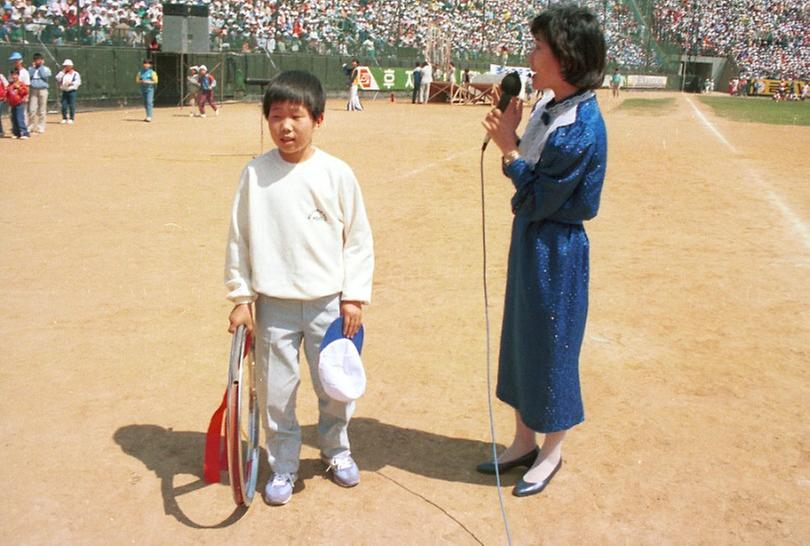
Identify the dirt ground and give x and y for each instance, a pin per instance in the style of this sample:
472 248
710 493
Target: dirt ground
694 369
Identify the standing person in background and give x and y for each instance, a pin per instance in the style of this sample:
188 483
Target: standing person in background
148 79
3 87
353 73
417 81
193 80
427 79
207 85
69 81
16 59
38 97
16 94
615 83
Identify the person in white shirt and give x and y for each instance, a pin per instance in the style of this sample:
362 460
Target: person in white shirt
424 84
300 249
69 81
38 95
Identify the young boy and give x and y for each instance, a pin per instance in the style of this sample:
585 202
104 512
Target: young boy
15 97
300 249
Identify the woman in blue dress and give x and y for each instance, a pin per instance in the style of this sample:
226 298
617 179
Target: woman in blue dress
557 168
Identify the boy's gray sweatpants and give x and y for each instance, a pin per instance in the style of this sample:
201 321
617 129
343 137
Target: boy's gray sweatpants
281 326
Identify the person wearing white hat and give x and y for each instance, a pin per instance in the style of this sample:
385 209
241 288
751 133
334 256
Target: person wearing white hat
69 81
207 85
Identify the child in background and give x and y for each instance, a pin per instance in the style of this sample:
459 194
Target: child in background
15 97
148 79
300 249
3 87
207 85
69 81
193 80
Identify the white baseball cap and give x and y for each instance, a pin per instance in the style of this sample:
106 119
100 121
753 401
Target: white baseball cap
67 62
340 368
203 67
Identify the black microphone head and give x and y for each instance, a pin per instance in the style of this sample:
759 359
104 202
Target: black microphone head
511 84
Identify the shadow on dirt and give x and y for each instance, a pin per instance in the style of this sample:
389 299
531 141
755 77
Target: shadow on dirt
375 446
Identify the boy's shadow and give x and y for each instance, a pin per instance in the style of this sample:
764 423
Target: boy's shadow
375 445
168 453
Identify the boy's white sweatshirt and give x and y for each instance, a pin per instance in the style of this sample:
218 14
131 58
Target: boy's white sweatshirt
299 231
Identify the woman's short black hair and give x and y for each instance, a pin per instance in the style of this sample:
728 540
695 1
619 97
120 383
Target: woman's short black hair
297 87
575 37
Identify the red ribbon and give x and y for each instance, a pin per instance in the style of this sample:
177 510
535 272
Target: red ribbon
215 459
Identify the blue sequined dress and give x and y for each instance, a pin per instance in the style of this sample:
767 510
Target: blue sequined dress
558 181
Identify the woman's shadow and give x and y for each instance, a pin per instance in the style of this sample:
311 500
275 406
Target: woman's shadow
375 445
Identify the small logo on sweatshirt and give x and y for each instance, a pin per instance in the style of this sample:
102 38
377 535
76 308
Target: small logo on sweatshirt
317 215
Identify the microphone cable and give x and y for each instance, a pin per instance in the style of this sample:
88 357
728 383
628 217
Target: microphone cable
489 354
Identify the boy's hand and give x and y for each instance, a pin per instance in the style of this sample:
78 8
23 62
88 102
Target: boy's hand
241 314
352 313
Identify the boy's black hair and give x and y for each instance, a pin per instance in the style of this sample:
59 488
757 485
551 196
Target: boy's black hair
575 37
147 61
297 87
37 55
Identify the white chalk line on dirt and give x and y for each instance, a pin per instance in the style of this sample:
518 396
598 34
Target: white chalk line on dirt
432 165
773 197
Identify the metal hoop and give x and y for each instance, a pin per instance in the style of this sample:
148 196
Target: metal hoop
243 460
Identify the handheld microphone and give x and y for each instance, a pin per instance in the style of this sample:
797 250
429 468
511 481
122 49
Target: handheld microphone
510 88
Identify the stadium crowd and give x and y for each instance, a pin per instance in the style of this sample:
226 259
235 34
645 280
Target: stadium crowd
347 27
768 38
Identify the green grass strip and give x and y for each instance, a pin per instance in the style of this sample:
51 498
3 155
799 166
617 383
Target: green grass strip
759 110
648 107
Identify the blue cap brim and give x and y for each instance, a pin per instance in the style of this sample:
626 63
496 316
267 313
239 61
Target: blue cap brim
335 331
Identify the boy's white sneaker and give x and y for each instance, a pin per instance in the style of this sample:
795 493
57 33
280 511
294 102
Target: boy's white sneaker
279 488
63 122
344 470
70 122
202 115
217 111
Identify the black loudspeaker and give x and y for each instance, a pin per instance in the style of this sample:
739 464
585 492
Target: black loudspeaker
185 29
